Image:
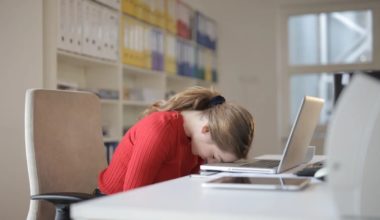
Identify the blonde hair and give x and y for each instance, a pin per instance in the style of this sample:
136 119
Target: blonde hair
231 126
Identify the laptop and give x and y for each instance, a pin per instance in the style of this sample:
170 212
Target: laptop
296 146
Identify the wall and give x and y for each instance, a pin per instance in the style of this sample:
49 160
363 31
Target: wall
20 69
247 65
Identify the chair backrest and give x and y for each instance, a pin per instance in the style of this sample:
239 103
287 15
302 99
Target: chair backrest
64 145
353 148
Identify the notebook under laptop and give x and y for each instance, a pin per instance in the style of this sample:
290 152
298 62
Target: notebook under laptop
295 149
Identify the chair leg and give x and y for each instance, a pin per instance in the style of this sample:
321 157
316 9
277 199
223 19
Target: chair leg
62 212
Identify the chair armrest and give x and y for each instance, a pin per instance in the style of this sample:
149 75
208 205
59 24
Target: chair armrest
63 198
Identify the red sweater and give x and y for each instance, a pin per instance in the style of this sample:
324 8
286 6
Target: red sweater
153 150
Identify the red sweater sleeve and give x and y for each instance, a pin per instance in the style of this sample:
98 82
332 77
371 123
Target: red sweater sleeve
151 148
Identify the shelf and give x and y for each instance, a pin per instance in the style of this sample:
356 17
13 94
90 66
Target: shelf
76 70
111 139
83 60
131 70
189 41
206 48
204 83
109 101
136 103
188 79
181 78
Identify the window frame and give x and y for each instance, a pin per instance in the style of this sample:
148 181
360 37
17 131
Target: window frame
285 70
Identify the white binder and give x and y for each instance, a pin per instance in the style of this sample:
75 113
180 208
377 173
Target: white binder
89 23
64 25
109 29
77 18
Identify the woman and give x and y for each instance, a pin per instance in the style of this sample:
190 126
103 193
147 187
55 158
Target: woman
175 137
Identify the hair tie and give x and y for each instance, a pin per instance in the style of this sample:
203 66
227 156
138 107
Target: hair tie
216 100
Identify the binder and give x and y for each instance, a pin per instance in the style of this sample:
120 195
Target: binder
139 9
190 60
205 31
127 41
157 49
89 28
133 47
208 63
185 58
139 39
184 18
129 7
77 27
200 66
67 26
63 38
170 16
71 25
160 10
147 47
109 28
170 54
97 20
110 149
146 10
179 56
215 69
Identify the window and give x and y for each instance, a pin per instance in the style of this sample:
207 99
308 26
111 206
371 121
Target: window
326 85
330 38
319 39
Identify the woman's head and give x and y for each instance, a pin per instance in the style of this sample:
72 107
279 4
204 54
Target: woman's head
230 126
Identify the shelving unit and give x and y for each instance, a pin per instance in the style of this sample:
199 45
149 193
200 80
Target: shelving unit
133 88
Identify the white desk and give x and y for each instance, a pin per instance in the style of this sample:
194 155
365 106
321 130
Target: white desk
184 198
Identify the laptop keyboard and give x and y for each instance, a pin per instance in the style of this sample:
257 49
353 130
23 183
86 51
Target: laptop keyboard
263 164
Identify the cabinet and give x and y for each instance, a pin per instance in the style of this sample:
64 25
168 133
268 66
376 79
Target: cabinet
125 90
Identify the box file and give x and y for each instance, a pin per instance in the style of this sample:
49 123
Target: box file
133 34
139 9
89 28
129 7
184 20
111 34
205 31
170 54
147 47
62 40
199 69
157 49
160 11
146 6
127 40
77 26
92 28
170 16
66 25
214 68
88 24
185 58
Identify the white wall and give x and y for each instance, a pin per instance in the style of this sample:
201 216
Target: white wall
20 69
247 61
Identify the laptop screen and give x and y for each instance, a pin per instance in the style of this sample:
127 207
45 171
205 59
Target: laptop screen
301 133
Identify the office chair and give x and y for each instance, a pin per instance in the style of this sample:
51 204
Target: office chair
64 150
353 148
